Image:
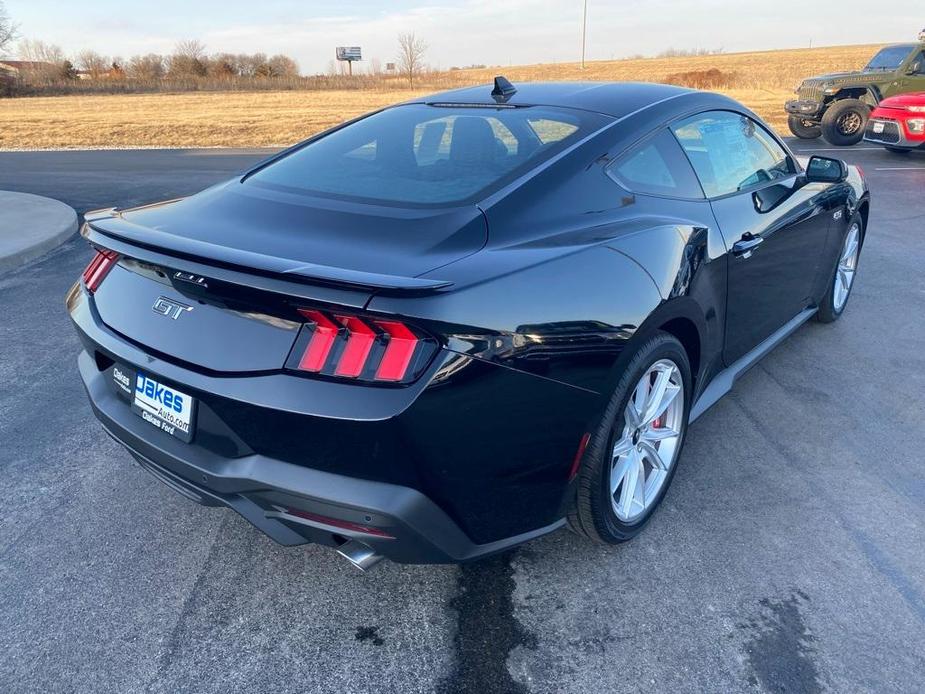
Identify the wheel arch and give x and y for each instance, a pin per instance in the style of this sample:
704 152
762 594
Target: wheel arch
867 95
864 211
683 318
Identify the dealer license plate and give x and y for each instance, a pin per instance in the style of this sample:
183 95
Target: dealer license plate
166 408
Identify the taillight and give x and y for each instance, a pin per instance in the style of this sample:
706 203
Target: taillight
99 267
360 348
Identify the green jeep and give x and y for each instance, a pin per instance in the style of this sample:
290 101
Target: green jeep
837 106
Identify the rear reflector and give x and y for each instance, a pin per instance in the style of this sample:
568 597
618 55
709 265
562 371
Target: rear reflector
365 349
99 267
579 454
337 523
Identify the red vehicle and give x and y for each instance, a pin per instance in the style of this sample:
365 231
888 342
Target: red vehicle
898 123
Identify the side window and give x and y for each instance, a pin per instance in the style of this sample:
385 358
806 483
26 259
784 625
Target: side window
657 167
731 152
919 61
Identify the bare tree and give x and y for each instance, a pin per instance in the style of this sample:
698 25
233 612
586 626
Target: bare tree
411 51
94 64
375 67
8 30
283 66
224 66
47 62
188 60
146 67
253 65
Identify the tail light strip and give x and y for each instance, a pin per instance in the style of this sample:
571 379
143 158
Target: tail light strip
99 267
398 353
321 343
367 349
360 338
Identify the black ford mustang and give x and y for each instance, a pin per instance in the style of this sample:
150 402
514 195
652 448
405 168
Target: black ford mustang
456 324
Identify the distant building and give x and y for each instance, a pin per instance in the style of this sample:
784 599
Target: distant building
15 68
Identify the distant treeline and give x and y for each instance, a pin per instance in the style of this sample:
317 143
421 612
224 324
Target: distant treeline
45 69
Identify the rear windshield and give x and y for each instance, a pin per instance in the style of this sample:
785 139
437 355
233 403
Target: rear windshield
429 155
889 58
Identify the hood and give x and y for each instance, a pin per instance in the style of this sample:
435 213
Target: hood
831 77
247 224
902 101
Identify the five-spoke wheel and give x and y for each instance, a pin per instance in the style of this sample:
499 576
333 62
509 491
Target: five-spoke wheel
631 458
648 445
847 265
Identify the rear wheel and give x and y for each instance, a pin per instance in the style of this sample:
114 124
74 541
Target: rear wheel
836 298
631 458
844 122
804 129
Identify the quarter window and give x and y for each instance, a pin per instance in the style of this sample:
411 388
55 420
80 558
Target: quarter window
731 152
657 167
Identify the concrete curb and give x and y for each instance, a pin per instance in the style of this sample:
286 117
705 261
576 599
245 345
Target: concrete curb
30 226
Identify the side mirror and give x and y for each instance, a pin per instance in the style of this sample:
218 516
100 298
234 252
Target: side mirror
915 68
825 170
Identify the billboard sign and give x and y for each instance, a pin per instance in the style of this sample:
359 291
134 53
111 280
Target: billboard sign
349 53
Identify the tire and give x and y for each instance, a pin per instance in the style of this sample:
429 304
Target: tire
803 129
844 122
897 150
593 511
833 303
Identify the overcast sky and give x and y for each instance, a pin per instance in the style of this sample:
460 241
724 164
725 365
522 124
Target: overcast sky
461 32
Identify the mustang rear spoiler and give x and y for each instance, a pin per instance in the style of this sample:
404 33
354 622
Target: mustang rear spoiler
109 229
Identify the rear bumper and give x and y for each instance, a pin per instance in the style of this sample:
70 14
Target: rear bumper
807 108
438 474
409 527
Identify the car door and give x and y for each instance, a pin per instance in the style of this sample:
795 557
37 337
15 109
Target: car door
774 224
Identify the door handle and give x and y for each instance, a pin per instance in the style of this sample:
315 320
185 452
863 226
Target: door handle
744 247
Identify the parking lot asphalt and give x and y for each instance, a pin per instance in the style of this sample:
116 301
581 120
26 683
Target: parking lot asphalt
789 554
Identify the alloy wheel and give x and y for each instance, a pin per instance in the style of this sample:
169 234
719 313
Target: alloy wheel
650 441
850 123
847 265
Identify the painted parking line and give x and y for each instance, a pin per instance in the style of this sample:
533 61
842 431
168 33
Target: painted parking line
839 149
901 168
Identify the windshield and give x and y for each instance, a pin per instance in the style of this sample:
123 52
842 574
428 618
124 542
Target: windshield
429 155
890 58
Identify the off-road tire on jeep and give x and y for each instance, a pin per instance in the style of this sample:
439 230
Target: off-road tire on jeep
844 122
804 129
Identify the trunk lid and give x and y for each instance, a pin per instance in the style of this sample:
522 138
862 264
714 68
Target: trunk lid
295 233
215 280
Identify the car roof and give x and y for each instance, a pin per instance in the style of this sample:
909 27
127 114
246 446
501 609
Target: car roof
616 99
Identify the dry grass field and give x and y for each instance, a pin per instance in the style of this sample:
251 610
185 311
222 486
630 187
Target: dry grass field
761 80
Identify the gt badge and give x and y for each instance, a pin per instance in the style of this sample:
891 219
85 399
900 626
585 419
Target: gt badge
169 307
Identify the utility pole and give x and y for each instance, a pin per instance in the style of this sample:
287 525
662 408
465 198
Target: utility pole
584 31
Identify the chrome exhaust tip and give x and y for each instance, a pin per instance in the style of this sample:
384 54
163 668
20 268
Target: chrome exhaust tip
361 556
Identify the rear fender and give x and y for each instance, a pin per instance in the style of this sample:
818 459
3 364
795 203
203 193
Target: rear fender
566 318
